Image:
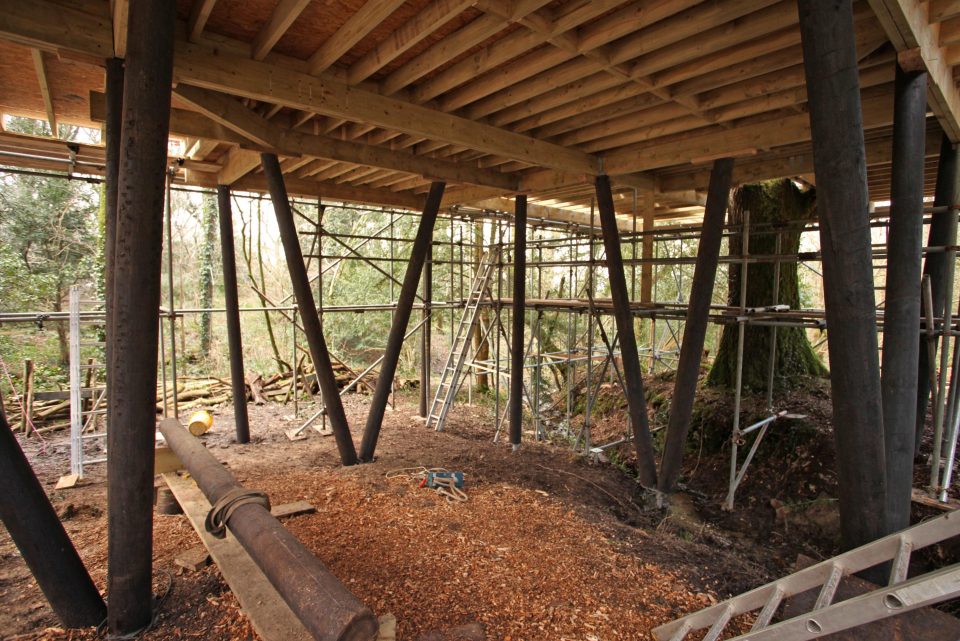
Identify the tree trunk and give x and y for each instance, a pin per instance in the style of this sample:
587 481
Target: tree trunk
209 224
772 205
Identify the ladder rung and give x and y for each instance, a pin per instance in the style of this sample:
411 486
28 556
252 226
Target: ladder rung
769 609
901 562
829 587
717 629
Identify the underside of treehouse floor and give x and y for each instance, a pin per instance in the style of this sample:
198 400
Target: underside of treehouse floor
546 547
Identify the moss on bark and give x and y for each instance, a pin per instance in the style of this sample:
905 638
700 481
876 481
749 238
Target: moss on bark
773 206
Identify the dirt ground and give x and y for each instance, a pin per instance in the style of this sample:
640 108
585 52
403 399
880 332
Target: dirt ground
547 547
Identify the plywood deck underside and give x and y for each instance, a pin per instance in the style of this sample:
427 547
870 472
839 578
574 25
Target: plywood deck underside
498 98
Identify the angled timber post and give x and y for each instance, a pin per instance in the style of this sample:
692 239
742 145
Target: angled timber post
943 232
232 300
901 319
308 309
36 530
136 304
833 88
408 292
695 329
632 375
517 342
425 333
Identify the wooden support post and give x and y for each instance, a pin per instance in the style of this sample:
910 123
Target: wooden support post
833 88
426 334
33 525
695 329
136 299
308 310
408 292
943 232
901 320
112 125
517 342
232 302
633 376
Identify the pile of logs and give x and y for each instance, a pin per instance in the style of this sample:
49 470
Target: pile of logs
50 410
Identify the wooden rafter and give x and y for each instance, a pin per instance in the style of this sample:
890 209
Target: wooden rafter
41 71
280 20
199 14
120 13
359 25
431 18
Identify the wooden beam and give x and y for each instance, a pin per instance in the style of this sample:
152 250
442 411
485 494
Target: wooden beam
877 111
219 69
119 11
280 20
239 162
907 24
798 163
198 65
941 10
229 113
359 25
425 22
199 14
325 190
41 71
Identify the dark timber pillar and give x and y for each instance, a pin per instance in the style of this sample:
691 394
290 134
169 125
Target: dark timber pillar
901 320
943 231
136 302
830 63
308 309
426 334
228 256
114 86
517 343
695 329
408 292
633 377
37 532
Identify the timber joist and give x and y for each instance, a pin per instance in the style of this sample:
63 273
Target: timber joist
495 98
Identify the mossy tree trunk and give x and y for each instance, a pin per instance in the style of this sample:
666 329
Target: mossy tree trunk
773 206
209 223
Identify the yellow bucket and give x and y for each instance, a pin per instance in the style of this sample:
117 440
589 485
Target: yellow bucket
200 423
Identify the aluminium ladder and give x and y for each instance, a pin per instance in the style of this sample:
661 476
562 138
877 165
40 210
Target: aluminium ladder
84 421
899 595
452 375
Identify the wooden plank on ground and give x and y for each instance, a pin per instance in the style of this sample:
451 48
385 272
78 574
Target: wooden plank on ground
270 615
292 509
919 496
